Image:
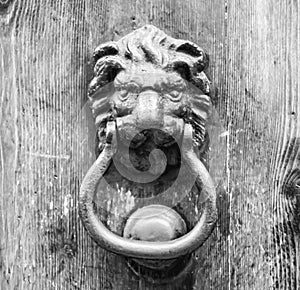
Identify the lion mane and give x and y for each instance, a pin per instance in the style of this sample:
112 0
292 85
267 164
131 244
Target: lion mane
149 44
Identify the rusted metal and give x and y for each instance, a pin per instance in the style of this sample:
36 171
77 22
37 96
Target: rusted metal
149 93
146 249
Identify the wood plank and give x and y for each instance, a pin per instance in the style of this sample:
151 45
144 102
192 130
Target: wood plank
262 89
46 144
51 45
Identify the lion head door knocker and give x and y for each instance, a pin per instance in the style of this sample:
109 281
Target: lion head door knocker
150 100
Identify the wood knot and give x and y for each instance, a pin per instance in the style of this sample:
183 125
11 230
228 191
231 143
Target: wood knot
291 189
292 184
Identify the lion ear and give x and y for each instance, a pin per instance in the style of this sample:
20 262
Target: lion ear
183 68
190 61
109 48
105 72
200 57
107 64
190 48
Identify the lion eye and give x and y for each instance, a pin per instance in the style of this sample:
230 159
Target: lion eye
123 95
133 87
175 96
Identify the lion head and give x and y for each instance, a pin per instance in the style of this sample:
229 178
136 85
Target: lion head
148 79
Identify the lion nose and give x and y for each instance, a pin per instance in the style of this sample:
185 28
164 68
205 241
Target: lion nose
149 110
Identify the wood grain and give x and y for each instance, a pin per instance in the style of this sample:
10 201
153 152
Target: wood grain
46 142
262 82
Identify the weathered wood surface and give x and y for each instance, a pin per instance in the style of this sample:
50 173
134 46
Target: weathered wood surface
44 147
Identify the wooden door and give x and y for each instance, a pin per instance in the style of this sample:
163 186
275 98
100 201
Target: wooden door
45 143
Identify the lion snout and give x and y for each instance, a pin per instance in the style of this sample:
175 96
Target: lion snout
149 111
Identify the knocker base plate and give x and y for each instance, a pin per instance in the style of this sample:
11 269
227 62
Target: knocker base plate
151 97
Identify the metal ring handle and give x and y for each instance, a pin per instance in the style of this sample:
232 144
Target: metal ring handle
145 249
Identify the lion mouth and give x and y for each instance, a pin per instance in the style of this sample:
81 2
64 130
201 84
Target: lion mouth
149 151
134 136
143 137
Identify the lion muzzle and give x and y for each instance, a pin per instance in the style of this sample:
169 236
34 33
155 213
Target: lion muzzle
149 111
148 121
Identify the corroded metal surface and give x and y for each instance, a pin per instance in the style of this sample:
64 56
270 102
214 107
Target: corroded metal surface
150 99
145 249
